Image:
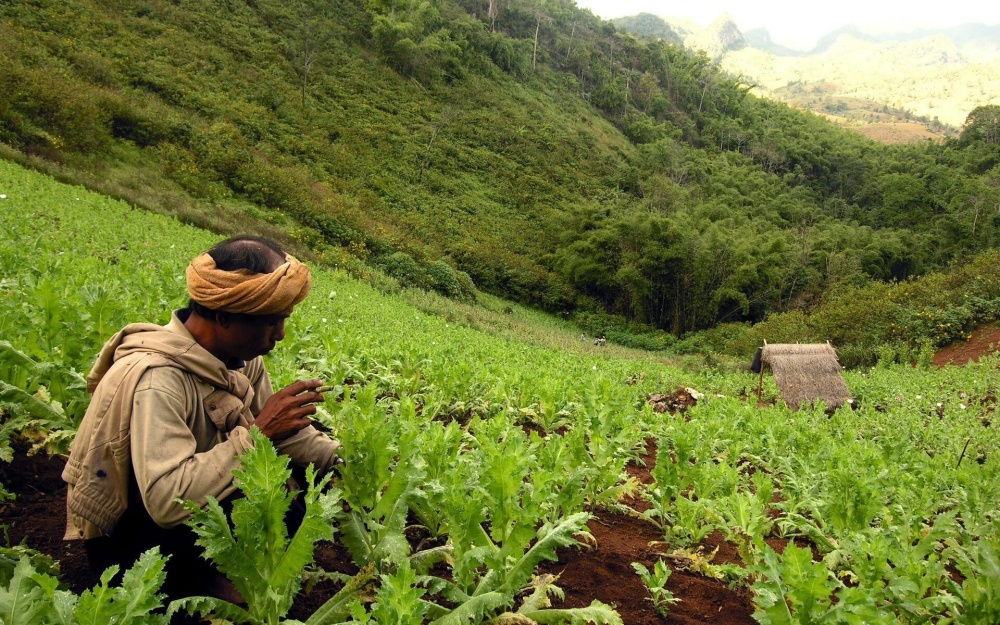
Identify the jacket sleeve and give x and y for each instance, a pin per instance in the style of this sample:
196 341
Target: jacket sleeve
165 454
309 445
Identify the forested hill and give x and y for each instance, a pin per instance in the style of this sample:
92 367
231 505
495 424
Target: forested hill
526 143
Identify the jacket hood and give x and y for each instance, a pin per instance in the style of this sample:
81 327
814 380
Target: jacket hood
175 343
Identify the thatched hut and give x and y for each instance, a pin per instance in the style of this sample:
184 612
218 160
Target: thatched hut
805 373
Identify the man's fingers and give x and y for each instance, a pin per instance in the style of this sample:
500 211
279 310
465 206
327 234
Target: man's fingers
301 385
302 411
305 398
295 388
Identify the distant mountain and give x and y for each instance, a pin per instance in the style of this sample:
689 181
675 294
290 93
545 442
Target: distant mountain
648 25
683 26
972 34
720 37
828 40
854 76
962 36
760 38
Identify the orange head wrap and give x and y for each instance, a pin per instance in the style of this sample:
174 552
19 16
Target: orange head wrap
245 292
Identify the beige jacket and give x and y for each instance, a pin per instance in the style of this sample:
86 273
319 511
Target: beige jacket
166 408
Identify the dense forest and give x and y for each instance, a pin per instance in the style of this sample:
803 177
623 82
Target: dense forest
524 146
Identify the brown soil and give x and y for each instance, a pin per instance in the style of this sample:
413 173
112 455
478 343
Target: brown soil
897 132
606 573
985 340
642 475
38 518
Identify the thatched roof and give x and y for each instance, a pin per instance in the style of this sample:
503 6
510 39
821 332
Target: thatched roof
804 373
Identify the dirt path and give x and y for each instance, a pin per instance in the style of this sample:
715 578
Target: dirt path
985 340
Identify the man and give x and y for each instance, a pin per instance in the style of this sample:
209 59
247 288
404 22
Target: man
172 409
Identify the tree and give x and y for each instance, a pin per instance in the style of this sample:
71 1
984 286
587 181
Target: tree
983 124
539 16
312 39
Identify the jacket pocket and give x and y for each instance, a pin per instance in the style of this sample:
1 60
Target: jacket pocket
225 410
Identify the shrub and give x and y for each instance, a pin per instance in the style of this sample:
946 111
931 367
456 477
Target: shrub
404 268
468 286
444 280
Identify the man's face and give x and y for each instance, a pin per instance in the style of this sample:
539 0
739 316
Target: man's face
249 336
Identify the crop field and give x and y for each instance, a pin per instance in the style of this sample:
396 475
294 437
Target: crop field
493 480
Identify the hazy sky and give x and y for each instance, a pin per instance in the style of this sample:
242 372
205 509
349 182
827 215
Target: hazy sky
799 24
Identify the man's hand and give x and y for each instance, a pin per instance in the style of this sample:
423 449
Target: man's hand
287 411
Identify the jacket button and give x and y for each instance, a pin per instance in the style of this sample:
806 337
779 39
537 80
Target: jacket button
212 407
101 473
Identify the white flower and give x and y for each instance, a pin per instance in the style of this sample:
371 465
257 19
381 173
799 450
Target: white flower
920 396
595 367
314 308
2 196
340 321
324 319
962 406
940 404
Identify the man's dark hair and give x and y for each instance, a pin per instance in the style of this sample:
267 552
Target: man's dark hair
254 254
244 252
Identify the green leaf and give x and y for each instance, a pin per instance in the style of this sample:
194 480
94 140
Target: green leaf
399 600
770 592
315 527
133 602
61 602
539 597
474 609
210 606
597 612
422 561
29 403
22 602
11 355
562 535
356 537
140 586
96 606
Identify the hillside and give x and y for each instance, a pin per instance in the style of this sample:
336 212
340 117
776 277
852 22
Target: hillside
531 150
